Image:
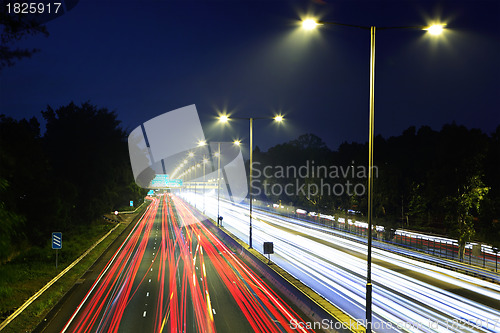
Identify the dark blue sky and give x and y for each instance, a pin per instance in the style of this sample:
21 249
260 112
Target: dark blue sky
144 58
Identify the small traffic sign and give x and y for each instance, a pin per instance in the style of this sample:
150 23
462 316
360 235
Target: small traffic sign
268 248
57 240
131 204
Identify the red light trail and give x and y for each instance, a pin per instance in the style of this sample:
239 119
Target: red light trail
181 297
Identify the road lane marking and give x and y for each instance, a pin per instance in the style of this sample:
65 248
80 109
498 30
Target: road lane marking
147 294
75 262
144 314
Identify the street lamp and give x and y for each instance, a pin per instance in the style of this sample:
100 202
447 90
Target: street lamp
205 161
218 185
224 119
203 143
178 172
435 29
218 155
309 24
193 168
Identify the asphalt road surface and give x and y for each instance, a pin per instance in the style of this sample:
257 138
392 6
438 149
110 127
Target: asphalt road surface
408 295
171 274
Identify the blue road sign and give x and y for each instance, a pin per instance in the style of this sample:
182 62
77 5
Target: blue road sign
57 240
131 204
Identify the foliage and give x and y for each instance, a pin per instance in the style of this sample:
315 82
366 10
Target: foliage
462 208
76 172
11 225
14 28
443 181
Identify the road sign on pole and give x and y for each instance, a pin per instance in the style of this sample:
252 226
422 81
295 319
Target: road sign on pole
56 243
268 249
57 240
131 204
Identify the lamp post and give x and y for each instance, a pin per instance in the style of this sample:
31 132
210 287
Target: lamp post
218 186
218 154
225 119
204 180
178 172
191 154
203 143
435 29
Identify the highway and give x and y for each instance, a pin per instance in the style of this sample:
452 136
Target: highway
408 295
171 274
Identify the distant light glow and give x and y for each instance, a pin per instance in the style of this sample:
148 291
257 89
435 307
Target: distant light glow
309 24
223 119
278 118
435 29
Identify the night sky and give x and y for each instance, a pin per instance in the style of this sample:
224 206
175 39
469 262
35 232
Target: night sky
145 58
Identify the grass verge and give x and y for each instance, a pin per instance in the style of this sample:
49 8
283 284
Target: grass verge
30 271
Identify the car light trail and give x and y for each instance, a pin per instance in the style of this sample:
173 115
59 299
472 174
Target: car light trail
164 260
408 295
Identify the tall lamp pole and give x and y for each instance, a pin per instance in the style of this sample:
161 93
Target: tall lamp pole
217 154
250 184
434 30
195 193
225 119
203 143
218 188
204 185
371 134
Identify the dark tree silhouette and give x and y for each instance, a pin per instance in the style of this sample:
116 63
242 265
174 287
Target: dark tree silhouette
13 28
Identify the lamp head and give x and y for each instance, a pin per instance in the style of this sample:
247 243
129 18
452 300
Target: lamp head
309 24
435 29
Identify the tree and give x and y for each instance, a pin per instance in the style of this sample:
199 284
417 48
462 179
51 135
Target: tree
467 204
13 28
25 168
11 225
88 153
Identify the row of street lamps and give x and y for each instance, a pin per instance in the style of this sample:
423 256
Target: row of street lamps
310 24
435 29
225 119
